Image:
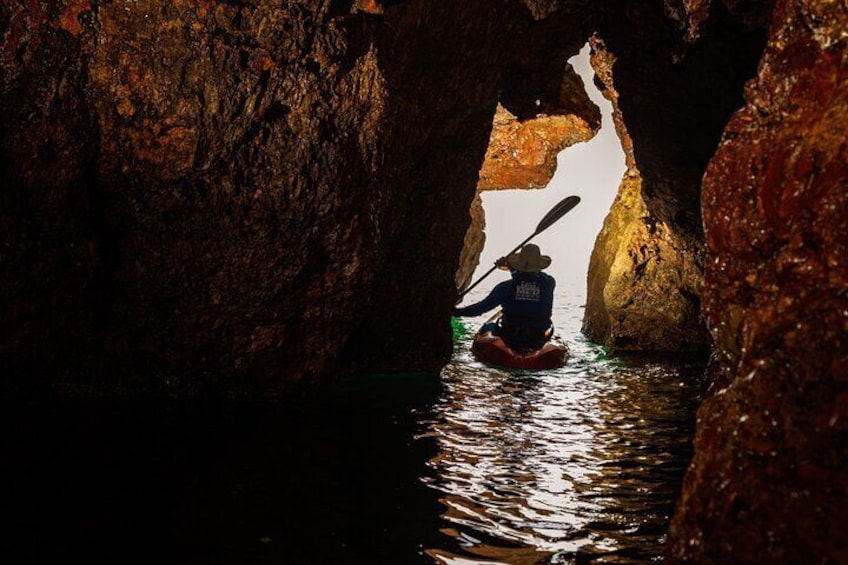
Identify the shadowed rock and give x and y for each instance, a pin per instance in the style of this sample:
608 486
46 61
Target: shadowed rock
769 481
670 105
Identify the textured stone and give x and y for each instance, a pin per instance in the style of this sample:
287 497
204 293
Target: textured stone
522 154
472 245
216 195
694 15
669 106
769 481
644 282
164 174
369 6
541 9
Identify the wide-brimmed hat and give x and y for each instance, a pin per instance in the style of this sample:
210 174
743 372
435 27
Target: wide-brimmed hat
529 259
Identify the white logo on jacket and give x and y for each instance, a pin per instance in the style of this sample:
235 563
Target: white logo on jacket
528 290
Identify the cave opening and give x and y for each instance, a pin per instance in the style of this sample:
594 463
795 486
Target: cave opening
591 169
571 441
246 200
669 106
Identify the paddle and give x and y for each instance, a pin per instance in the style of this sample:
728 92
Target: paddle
561 209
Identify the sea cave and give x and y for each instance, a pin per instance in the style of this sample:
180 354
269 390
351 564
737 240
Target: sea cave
213 212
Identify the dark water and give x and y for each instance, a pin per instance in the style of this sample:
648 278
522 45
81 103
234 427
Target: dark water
477 465
336 480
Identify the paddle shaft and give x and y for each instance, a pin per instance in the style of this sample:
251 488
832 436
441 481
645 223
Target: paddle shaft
561 209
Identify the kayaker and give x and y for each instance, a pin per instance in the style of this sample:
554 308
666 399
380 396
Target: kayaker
527 300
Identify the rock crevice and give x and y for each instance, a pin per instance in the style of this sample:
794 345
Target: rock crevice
670 104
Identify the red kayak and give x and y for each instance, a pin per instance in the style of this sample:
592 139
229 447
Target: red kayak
491 349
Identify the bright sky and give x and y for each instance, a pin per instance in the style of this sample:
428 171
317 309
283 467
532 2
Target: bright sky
590 170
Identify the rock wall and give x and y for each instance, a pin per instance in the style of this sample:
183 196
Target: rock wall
178 181
769 482
247 196
644 281
670 105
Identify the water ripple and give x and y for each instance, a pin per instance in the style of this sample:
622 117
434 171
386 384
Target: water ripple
576 465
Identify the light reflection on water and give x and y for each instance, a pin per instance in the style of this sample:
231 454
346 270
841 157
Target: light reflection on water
580 464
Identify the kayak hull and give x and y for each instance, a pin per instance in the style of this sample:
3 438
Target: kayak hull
491 349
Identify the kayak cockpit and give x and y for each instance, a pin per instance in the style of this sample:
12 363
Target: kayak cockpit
493 350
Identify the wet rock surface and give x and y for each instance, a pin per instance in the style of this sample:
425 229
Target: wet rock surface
768 482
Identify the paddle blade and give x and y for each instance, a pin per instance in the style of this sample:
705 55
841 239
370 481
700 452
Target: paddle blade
557 212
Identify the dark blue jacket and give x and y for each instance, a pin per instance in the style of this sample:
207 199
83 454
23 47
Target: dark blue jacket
527 300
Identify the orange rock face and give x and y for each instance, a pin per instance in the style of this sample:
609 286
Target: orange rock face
472 245
522 153
769 481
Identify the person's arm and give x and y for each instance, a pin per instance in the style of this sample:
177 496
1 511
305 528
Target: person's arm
495 298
